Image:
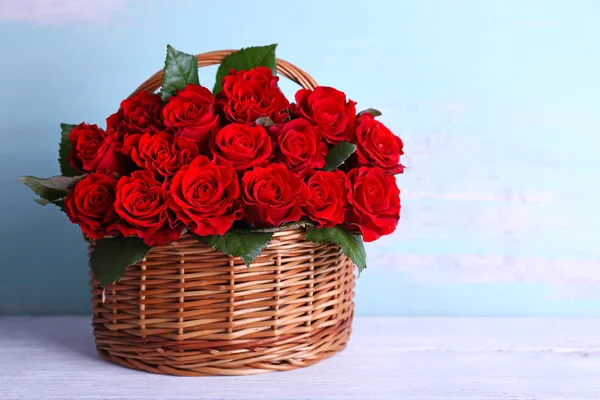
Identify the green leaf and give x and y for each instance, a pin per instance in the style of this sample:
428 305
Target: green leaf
111 257
64 149
42 202
245 59
58 203
50 189
265 122
288 225
240 243
372 111
180 70
351 243
338 154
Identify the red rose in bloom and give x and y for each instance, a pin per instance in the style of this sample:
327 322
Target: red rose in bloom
192 112
142 203
376 145
328 109
329 193
249 95
161 153
205 197
299 145
242 146
91 205
93 150
139 113
273 195
375 201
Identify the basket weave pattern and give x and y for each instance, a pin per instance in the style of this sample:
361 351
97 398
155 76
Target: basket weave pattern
187 309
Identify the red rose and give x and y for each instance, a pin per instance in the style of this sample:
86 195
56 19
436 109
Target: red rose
299 145
161 153
205 197
273 195
375 202
242 146
249 95
192 113
93 150
91 205
139 113
328 109
328 197
142 203
377 146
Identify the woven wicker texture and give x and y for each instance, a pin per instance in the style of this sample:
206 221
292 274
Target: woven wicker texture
187 309
284 68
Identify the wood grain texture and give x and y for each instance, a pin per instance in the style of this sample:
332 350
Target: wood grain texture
496 102
387 358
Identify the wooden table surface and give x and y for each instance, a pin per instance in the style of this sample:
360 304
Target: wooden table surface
388 358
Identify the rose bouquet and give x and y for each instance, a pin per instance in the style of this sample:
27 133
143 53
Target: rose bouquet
230 166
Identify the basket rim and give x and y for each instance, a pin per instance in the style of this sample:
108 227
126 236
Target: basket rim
301 225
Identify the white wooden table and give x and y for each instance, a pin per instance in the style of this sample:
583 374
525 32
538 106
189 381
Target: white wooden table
388 358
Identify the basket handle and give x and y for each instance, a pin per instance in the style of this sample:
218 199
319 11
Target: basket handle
285 68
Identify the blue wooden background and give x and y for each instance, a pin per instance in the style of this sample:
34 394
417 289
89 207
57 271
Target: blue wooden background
497 103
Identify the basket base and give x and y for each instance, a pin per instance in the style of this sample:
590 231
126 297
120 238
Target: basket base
233 358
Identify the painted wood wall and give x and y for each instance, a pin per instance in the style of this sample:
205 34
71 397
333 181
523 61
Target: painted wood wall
497 103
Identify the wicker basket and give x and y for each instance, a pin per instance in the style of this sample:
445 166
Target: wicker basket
187 309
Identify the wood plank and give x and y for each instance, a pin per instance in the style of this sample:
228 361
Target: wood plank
388 358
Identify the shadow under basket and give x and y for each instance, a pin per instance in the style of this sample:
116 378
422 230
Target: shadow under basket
187 309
